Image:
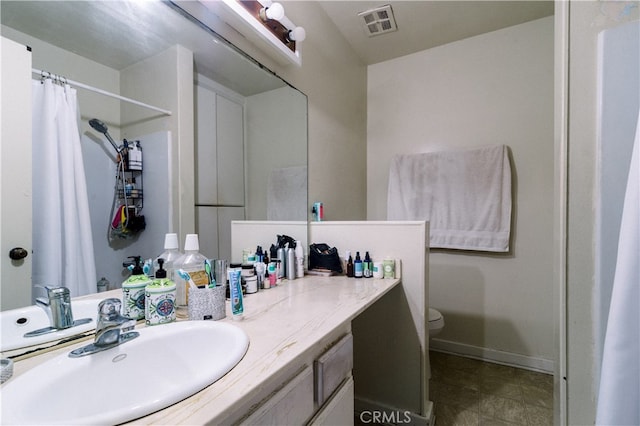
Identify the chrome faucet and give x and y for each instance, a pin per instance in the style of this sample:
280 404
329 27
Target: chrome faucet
57 305
112 329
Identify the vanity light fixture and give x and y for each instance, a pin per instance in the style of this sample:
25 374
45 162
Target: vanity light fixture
274 12
264 23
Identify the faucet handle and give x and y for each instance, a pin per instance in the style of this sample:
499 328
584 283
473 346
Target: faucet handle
109 308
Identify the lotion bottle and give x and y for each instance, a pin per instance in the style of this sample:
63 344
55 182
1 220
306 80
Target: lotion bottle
160 298
133 292
299 260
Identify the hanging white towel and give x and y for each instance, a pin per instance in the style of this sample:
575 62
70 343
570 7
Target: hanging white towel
287 194
464 194
619 390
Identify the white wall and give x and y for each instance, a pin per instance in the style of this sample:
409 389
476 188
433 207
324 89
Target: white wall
495 88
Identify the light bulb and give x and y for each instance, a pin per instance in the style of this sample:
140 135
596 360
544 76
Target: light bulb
297 34
275 11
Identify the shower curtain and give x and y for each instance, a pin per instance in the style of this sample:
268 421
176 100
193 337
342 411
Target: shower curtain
62 240
619 391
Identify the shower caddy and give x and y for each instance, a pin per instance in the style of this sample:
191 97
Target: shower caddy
128 196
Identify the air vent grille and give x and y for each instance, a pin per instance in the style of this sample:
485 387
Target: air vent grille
378 21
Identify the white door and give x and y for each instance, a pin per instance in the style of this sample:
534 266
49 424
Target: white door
15 174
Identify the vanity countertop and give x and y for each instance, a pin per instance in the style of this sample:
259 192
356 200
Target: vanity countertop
283 324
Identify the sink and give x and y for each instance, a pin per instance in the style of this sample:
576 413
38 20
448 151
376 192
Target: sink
164 365
16 322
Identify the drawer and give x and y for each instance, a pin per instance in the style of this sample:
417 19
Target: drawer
339 409
292 404
332 367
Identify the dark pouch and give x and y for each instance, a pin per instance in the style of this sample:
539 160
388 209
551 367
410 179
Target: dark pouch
324 257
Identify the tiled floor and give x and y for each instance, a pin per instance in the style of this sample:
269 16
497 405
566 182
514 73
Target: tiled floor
471 392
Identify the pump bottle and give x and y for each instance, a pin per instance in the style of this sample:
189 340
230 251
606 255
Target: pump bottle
133 291
160 298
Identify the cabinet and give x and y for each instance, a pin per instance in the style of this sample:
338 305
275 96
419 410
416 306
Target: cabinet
219 153
219 149
322 395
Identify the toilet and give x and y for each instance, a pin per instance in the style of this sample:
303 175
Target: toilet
436 322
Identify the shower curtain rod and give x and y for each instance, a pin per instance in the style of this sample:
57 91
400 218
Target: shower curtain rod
102 92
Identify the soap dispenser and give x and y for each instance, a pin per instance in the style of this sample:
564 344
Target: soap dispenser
160 298
133 291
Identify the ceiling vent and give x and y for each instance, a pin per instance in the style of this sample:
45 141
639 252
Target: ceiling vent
378 21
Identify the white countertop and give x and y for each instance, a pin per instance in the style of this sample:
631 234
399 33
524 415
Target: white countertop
283 324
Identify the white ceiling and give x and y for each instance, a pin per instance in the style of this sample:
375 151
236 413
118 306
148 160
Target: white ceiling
426 24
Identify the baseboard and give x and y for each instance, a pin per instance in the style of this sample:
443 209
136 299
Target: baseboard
491 355
375 413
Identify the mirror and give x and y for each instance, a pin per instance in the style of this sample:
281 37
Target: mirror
243 174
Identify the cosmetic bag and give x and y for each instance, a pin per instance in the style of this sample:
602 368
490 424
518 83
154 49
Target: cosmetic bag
323 256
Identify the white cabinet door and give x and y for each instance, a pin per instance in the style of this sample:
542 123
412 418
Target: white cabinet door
230 152
225 216
207 226
291 405
15 176
214 229
340 408
205 147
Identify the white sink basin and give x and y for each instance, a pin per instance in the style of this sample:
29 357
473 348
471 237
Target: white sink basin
16 322
165 364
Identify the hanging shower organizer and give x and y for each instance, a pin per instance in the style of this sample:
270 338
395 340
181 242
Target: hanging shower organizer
129 191
128 198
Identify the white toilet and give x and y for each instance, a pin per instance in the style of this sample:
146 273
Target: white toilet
436 322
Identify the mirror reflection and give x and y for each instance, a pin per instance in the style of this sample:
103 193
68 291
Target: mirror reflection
231 143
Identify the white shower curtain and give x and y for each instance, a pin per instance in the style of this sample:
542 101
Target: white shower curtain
62 239
619 393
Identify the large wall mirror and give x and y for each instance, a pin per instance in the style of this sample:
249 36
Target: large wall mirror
238 130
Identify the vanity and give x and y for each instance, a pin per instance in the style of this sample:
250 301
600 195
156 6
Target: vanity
297 369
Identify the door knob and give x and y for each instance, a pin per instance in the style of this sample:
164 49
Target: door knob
18 253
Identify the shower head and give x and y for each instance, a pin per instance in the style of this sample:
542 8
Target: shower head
98 125
102 128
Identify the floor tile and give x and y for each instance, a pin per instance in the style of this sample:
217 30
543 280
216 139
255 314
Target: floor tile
472 392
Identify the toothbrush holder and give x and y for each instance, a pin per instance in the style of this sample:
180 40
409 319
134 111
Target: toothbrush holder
207 303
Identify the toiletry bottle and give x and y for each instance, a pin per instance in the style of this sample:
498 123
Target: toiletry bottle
170 255
349 268
281 256
133 292
367 266
291 263
103 285
358 270
160 298
193 263
299 252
